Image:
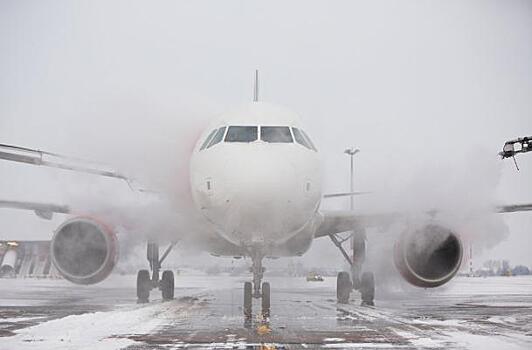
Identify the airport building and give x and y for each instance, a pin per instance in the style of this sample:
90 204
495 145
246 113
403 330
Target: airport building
28 259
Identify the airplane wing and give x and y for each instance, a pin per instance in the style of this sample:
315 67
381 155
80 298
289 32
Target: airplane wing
342 221
337 221
53 160
344 194
43 210
514 208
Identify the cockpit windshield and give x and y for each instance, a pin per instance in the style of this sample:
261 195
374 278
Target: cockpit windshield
217 137
309 140
241 134
275 134
303 139
208 139
248 134
300 138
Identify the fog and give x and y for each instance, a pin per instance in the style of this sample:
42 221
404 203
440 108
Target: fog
427 91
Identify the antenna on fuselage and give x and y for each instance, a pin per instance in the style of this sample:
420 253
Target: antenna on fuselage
256 87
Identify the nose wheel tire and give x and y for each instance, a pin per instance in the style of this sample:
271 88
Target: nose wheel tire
367 288
167 285
266 299
343 287
247 299
143 286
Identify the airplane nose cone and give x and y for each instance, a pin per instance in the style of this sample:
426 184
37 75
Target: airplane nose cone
263 206
264 180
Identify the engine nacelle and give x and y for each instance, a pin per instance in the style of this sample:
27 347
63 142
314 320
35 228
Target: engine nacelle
428 257
84 251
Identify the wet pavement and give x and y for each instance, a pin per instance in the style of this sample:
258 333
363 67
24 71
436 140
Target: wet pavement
207 313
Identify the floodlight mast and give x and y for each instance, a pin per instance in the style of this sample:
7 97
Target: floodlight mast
351 152
256 87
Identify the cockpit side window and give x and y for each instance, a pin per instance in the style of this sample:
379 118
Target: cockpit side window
300 138
241 134
309 141
276 134
217 137
206 142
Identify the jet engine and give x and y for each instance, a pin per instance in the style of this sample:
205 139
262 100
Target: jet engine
428 257
84 250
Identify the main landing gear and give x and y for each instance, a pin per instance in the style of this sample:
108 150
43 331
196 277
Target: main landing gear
346 282
145 282
254 290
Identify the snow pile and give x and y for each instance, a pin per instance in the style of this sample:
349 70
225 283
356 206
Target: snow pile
476 341
93 331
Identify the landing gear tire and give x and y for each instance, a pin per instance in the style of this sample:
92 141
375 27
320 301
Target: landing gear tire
167 285
343 287
143 286
247 299
367 288
265 299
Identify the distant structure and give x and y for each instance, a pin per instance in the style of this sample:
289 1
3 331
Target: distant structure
471 259
501 268
513 147
28 259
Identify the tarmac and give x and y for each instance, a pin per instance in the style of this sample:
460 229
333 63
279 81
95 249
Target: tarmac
469 313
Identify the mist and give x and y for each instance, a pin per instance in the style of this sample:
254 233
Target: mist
428 91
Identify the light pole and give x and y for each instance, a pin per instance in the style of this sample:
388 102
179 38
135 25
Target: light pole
351 152
356 237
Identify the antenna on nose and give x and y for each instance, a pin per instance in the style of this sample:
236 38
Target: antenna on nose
256 87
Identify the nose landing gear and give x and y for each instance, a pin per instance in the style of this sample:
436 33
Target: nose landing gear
254 290
265 299
248 299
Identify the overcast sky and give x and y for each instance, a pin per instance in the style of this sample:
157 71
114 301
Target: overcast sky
429 91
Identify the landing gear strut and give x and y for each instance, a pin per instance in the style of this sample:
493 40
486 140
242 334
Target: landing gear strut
346 282
258 273
145 283
358 242
253 289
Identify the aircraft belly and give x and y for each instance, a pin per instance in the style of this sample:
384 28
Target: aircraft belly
280 245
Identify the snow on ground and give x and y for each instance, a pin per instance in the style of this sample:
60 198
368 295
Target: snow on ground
467 286
420 341
472 313
465 340
93 330
475 341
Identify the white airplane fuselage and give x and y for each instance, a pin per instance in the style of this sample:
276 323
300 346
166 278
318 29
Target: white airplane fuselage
258 194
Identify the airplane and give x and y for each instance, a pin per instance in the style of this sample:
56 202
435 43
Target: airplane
255 181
